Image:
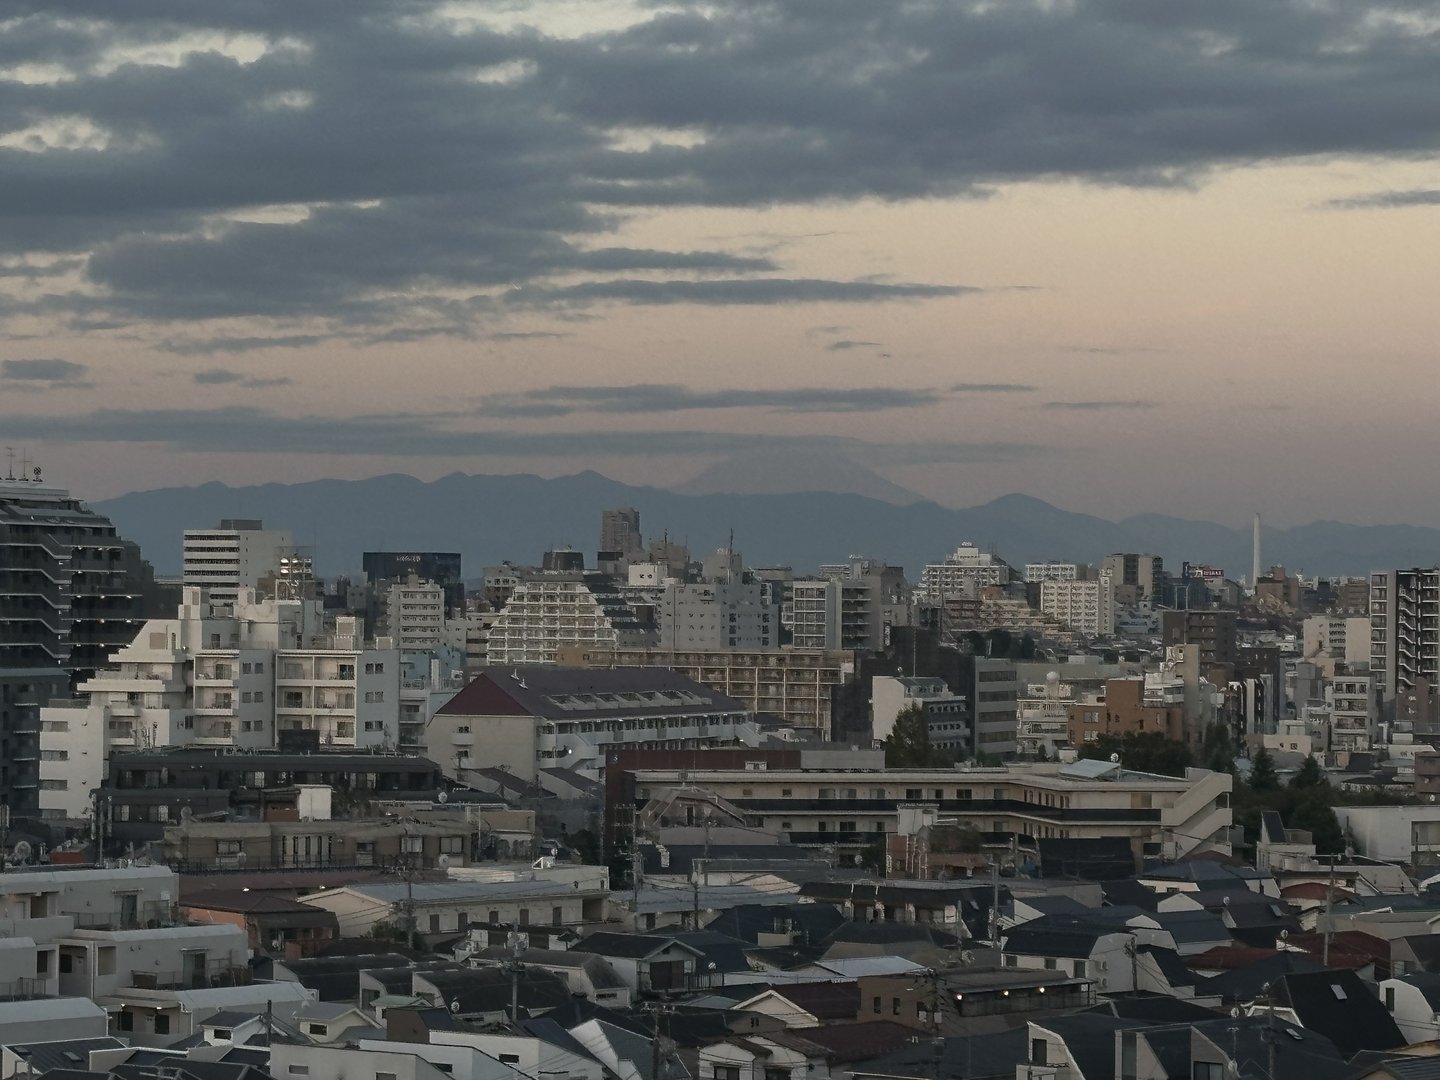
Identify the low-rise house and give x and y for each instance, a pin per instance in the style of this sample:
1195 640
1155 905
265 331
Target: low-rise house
1336 1004
779 1056
1079 947
337 978
441 907
30 1059
50 1019
806 1005
329 1021
588 975
646 963
272 924
484 995
160 1016
1414 1002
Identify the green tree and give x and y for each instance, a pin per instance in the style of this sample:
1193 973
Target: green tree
586 844
1148 752
1309 776
1262 772
1217 750
908 745
1312 812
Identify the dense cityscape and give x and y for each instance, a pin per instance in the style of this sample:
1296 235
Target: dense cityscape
645 813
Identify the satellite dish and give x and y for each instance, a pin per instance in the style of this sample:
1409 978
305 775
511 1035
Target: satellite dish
1284 935
443 862
967 957
1115 759
442 797
21 851
455 1006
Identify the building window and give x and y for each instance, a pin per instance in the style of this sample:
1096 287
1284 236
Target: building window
374 696
322 1030
727 1072
1039 1052
895 1006
162 1023
125 1020
876 1008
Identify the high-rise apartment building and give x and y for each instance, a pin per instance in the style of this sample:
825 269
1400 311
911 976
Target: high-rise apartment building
251 674
443 568
620 531
1212 630
1145 573
1051 571
237 555
1404 628
551 609
414 616
963 573
71 592
1087 607
717 615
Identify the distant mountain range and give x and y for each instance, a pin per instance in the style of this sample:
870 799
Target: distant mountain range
517 517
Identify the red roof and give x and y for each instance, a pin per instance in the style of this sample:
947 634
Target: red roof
1229 957
1348 948
483 697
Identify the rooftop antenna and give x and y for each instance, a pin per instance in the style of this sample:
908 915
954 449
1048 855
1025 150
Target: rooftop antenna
9 463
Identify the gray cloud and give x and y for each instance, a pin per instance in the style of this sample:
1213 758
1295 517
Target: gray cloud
846 344
651 398
1132 403
1387 200
226 377
992 388
50 372
207 346
490 195
247 430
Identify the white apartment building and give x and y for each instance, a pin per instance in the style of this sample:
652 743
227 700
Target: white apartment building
238 554
963 573
836 613
1051 571
717 615
1087 607
239 675
945 713
1353 712
1042 718
1343 638
554 609
415 613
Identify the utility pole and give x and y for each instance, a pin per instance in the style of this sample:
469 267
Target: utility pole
695 899
994 904
1329 903
662 1009
707 848
517 948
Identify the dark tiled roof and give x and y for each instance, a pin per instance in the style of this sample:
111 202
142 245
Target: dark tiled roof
636 946
1338 1004
64 1054
544 690
1247 982
824 1000
812 922
858 1042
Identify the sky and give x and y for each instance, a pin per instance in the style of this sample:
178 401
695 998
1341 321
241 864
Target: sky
1124 256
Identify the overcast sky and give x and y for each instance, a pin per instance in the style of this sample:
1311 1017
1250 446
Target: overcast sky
1122 255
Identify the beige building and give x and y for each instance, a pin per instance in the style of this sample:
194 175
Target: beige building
795 685
1087 607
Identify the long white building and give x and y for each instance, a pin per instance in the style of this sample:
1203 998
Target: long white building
249 675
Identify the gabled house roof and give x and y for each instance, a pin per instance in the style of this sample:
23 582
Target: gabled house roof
550 692
1340 1006
822 1000
631 946
1059 935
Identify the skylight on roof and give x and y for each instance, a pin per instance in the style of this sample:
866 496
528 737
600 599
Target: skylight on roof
1338 991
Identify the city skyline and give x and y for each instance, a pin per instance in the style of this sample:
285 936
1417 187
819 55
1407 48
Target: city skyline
1118 259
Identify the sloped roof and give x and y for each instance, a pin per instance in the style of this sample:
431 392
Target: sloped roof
635 946
551 692
1338 1004
822 1000
860 1041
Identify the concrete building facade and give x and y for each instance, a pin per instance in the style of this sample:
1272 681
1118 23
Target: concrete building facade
239 553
